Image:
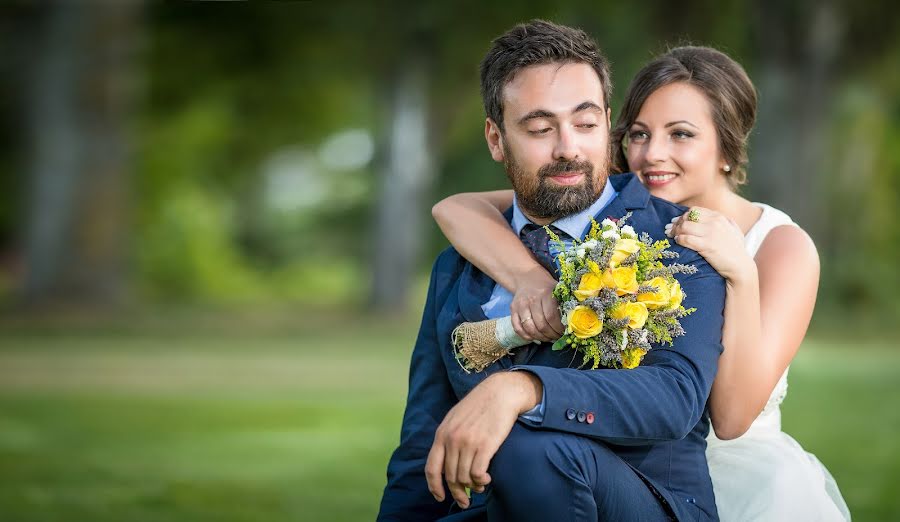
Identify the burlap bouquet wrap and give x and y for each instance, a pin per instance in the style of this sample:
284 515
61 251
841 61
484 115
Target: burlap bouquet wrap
479 345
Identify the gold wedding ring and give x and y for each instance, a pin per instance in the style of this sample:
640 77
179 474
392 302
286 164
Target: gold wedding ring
693 215
526 319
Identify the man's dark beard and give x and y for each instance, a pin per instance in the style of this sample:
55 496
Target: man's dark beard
541 199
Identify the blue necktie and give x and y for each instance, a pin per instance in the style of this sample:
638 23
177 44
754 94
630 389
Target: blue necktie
537 240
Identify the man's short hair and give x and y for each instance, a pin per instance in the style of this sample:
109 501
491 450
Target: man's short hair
537 42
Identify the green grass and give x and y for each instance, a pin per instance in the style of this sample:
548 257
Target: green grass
222 424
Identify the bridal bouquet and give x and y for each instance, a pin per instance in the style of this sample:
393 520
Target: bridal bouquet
615 295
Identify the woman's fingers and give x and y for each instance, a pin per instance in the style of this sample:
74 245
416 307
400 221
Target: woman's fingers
533 324
695 243
529 326
541 321
683 226
554 323
517 326
525 318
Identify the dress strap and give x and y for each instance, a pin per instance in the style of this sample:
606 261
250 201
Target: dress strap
770 218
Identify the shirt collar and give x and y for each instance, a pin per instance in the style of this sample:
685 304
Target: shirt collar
575 224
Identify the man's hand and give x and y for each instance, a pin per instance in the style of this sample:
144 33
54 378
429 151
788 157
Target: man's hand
473 431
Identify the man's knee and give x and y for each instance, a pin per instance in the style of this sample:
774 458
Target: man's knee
532 459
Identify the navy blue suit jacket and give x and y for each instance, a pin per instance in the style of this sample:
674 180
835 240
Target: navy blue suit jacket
654 417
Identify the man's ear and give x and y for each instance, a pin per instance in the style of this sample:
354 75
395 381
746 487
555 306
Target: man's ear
494 139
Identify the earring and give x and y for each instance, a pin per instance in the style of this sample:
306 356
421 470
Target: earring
727 168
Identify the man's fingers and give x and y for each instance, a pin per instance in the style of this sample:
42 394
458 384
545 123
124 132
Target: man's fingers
464 467
480 475
451 457
456 470
433 468
458 491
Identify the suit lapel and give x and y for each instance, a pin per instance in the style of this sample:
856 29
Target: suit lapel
475 288
631 197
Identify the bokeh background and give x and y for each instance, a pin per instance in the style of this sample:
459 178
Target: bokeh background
215 235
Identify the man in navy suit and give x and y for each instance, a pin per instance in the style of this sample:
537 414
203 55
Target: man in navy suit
533 437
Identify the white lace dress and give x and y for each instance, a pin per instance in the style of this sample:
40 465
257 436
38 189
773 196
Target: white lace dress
765 475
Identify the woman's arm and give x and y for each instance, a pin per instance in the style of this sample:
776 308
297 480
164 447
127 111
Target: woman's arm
762 339
475 226
768 306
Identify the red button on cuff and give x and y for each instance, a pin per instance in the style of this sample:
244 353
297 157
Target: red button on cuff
590 418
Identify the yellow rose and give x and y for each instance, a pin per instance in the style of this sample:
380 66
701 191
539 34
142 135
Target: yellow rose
632 357
675 295
584 322
589 286
623 279
636 313
624 248
659 298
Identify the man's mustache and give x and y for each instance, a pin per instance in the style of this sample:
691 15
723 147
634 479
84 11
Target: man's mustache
560 167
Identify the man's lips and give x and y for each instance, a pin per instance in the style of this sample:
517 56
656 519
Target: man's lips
568 178
658 178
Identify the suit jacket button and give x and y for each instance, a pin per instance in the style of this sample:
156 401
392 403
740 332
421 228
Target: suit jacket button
589 418
570 414
581 416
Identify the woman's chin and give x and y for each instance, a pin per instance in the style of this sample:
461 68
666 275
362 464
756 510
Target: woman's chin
663 192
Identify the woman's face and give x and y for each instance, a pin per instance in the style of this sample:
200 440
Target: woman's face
674 147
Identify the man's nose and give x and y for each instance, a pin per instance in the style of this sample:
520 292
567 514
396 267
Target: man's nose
566 146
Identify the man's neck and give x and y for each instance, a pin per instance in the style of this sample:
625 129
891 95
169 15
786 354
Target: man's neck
573 224
539 221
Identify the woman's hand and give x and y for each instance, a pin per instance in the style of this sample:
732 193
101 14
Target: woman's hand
715 237
534 310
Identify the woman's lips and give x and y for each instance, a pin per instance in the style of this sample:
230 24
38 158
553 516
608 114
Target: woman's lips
568 178
658 179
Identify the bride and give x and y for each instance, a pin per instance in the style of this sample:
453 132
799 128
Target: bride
683 130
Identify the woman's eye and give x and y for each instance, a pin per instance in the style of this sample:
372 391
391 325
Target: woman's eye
637 135
587 125
682 135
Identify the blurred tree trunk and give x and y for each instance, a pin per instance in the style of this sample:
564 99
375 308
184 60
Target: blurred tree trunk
406 174
79 105
798 50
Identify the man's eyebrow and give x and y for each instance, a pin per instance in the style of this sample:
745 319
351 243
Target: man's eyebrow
587 106
542 113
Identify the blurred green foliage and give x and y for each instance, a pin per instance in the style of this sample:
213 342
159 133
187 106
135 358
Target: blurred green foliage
230 90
